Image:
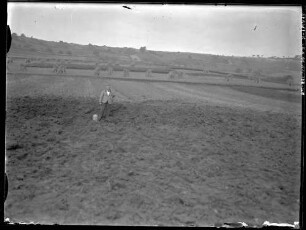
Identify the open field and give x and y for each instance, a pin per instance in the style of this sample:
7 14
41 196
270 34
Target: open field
207 78
169 154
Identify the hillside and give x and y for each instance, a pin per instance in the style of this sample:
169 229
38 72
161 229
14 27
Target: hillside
196 149
23 46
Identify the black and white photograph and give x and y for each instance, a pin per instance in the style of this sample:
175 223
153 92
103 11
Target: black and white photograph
153 114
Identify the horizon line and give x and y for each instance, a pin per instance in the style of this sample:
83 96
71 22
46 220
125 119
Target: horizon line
168 51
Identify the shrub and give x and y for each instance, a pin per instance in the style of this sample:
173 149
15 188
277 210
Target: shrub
289 79
257 72
143 49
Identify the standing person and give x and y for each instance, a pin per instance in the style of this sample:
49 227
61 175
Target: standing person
106 98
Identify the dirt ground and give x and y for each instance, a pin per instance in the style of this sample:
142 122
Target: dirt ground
169 154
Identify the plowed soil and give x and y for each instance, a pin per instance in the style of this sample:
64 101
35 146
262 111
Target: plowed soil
169 154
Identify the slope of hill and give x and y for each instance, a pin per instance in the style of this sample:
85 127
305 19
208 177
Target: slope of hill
23 46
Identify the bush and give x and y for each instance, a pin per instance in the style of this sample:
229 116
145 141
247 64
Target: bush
238 70
90 46
68 52
257 72
143 49
102 67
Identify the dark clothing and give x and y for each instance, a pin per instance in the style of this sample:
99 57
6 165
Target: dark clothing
104 110
104 97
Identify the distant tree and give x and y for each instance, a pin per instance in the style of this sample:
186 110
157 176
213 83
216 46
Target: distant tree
14 34
289 79
257 72
297 57
256 75
149 73
22 35
238 70
90 46
60 52
143 49
229 77
33 49
68 52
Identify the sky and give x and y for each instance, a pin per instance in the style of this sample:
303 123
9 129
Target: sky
222 30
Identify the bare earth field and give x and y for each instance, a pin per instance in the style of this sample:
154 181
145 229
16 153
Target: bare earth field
169 154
